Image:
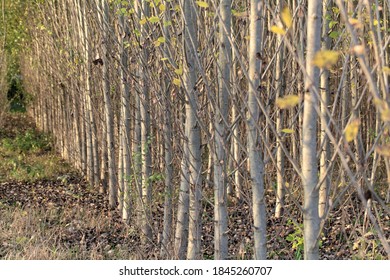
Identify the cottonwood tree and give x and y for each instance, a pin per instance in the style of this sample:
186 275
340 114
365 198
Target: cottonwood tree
192 127
221 125
309 132
254 147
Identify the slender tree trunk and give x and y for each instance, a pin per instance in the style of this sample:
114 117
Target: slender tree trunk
168 151
192 127
181 234
146 140
125 122
255 152
309 131
325 98
109 116
220 133
279 125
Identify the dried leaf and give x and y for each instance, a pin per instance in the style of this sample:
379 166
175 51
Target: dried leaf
358 49
383 150
355 23
385 115
383 108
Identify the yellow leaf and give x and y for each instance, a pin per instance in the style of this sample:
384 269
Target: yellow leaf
176 82
162 7
287 130
352 130
167 23
143 21
383 108
383 150
202 4
356 245
154 19
385 115
386 70
277 30
164 58
325 58
179 71
287 102
287 17
161 39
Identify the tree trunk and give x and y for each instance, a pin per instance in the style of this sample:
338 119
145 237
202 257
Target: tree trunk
309 131
255 152
192 128
220 133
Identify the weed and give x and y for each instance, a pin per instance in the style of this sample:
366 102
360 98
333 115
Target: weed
296 238
28 157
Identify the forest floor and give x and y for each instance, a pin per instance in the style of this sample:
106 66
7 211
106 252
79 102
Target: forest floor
48 211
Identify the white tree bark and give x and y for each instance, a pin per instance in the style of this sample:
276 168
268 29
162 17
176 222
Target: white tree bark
255 152
109 117
220 133
192 128
309 131
325 96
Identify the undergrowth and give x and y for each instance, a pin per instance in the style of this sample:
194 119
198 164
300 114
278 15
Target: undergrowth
62 234
27 155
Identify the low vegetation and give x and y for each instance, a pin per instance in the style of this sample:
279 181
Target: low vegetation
27 155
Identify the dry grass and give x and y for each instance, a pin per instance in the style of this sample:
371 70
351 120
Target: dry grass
48 234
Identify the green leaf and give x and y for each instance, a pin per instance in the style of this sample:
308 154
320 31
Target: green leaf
332 23
334 34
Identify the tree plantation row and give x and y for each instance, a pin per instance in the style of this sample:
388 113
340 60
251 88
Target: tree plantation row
198 109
